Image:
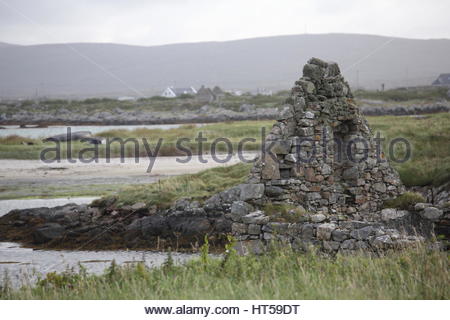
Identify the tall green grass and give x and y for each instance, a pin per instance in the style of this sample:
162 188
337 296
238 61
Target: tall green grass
197 186
280 274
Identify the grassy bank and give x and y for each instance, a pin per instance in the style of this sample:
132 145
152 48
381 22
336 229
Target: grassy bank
198 186
281 274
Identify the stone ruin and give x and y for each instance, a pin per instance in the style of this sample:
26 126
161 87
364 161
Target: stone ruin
320 157
321 153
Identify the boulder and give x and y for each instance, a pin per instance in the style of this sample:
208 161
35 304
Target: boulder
431 213
240 209
48 232
251 191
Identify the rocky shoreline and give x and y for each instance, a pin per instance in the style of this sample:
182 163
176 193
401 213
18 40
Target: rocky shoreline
104 226
206 114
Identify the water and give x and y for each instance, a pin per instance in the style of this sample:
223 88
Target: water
8 205
39 133
23 265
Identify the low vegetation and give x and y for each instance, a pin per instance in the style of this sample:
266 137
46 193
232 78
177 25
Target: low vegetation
155 103
284 212
197 186
280 274
405 94
405 201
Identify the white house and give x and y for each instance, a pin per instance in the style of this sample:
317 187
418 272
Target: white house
171 92
126 98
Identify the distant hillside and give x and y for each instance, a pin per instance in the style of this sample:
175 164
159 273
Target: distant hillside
87 69
4 44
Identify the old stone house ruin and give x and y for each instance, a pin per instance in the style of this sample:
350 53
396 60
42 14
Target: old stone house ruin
321 153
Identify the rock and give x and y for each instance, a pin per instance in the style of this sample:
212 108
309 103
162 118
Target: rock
316 218
379 187
307 232
305 132
276 227
286 113
254 229
152 226
392 214
279 147
190 226
240 209
308 86
313 71
273 191
326 169
382 242
331 245
249 247
77 135
48 232
324 231
431 213
138 206
363 233
251 191
348 244
270 169
239 228
421 206
256 217
340 235
351 173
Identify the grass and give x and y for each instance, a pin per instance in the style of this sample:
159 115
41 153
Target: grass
196 186
151 104
404 94
43 191
429 138
284 212
280 274
405 201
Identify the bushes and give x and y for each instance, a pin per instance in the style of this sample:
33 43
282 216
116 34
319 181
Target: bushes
284 212
405 201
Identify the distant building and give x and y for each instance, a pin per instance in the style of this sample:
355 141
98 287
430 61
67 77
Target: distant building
205 95
264 92
442 80
126 98
235 92
171 92
218 92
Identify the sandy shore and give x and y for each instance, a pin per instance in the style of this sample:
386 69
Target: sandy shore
24 175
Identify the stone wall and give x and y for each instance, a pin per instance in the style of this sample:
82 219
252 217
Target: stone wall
321 154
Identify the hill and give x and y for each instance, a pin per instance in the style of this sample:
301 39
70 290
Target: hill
104 69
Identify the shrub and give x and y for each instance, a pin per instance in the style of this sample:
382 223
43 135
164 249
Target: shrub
405 201
284 212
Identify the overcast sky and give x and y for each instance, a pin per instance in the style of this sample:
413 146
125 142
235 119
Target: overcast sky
153 22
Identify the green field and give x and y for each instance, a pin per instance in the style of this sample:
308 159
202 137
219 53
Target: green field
429 137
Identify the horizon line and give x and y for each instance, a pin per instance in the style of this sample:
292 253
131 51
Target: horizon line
221 41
